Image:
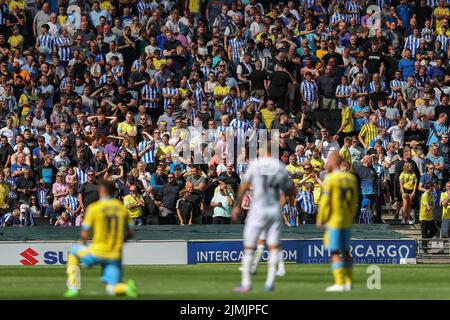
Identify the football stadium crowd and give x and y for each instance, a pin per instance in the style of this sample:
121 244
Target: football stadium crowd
110 89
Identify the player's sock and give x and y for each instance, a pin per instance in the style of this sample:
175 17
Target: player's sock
73 272
274 257
348 271
246 268
338 272
257 257
119 289
281 269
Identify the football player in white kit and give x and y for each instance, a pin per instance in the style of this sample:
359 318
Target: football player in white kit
271 185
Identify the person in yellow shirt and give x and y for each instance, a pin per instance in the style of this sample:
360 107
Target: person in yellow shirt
337 210
445 203
427 224
368 132
316 161
220 91
128 128
165 149
320 52
345 151
346 129
310 176
135 203
62 17
108 221
4 192
21 4
441 14
158 60
408 186
268 114
294 170
105 5
16 39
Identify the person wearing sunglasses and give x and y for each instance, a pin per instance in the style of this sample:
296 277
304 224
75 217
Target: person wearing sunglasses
135 203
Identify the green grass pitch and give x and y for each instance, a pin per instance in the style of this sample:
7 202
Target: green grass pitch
216 281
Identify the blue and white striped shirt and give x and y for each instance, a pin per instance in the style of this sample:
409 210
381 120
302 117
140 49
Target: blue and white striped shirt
385 123
412 43
199 95
306 202
236 47
12 184
149 92
291 212
64 51
115 71
148 157
371 87
308 3
241 168
352 102
171 91
11 102
142 6
103 78
444 41
137 64
338 17
64 82
42 194
206 70
354 9
343 90
72 202
81 176
3 14
396 83
46 40
309 90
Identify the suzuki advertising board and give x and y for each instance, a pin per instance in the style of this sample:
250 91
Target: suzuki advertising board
55 253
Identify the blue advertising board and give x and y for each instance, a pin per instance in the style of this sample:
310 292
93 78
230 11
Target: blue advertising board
305 251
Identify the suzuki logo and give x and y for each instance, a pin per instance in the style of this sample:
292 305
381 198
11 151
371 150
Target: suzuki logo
29 255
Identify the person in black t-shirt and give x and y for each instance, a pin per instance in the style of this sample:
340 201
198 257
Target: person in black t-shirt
194 197
257 79
278 85
184 209
6 151
374 60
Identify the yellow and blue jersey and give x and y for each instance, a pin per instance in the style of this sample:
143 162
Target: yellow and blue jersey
109 222
338 203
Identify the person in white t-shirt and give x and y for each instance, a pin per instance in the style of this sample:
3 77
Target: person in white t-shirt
398 132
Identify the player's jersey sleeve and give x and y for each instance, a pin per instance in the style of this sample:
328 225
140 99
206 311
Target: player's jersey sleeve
88 221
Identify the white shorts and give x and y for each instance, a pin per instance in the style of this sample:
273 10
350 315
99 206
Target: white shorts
262 224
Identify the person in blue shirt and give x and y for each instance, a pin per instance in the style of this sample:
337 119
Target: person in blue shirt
437 129
437 160
404 11
406 65
358 113
437 71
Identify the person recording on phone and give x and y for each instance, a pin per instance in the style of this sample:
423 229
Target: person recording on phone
222 202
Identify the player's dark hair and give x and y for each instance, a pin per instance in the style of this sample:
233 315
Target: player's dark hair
108 186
